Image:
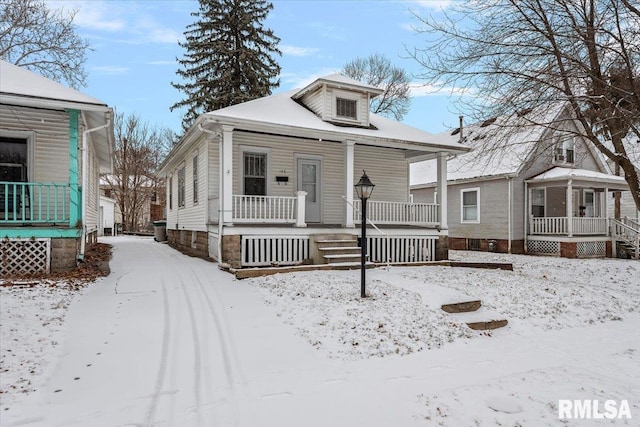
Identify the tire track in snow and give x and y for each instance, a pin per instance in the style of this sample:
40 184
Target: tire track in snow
162 368
234 377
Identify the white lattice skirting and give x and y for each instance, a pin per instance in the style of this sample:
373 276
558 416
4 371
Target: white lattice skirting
543 247
20 256
591 249
402 249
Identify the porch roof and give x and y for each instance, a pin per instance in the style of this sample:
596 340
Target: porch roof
21 87
579 177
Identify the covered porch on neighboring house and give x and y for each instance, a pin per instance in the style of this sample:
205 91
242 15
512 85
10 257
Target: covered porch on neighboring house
266 230
566 212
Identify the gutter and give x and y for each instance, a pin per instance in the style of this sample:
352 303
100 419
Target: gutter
85 179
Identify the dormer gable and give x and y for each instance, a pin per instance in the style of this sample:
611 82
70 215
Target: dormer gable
339 100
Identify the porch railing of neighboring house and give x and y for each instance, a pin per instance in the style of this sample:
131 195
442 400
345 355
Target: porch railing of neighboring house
627 231
34 202
398 213
560 225
264 209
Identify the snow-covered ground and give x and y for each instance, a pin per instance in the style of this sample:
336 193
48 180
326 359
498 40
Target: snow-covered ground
304 349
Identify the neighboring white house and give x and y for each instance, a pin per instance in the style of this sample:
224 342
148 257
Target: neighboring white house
107 217
271 181
54 143
547 192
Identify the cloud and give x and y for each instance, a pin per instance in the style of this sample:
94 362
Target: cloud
421 89
123 22
298 51
162 63
431 4
300 80
110 69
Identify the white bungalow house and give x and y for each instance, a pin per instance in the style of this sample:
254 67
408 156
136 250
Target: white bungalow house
54 142
271 181
548 192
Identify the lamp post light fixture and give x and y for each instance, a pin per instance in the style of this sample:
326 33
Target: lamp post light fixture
364 188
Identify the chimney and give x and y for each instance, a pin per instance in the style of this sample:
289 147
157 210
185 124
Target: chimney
461 127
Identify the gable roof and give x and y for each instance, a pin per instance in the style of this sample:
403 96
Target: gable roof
21 87
501 147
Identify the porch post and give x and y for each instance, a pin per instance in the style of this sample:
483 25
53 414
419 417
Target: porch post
75 207
570 208
226 166
606 208
442 189
300 214
349 149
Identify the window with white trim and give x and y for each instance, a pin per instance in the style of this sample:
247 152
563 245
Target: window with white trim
195 178
255 173
470 202
347 108
181 195
171 192
538 197
564 151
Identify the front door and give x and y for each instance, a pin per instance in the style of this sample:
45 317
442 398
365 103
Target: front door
309 181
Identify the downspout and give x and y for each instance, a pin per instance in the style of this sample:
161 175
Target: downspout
220 188
85 180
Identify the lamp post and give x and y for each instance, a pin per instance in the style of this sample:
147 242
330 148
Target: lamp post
364 188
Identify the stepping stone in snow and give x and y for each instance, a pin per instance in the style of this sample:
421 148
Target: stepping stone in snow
486 326
462 307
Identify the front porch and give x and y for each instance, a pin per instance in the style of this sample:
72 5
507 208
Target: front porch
566 212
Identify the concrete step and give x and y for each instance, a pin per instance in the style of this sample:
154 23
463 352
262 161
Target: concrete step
342 258
488 325
462 307
333 243
344 250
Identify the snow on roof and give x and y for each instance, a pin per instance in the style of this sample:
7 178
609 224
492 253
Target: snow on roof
559 173
500 147
281 111
338 80
20 82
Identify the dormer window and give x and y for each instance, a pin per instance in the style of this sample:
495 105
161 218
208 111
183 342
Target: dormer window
347 108
564 151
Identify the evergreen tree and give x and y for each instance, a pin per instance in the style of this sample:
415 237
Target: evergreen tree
229 57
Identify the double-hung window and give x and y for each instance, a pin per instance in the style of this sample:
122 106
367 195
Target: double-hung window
564 151
181 195
470 202
255 173
537 202
195 178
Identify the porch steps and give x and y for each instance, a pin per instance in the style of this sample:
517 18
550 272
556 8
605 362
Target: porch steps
339 250
625 250
474 320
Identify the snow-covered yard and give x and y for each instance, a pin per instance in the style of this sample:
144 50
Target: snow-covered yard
572 334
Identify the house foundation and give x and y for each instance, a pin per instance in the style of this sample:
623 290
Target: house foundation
191 242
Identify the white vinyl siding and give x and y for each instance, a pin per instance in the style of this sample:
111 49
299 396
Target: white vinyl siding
387 169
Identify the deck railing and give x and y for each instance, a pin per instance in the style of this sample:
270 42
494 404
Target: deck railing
34 202
264 209
560 226
398 213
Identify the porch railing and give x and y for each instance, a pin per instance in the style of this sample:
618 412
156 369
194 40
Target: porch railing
627 231
398 213
560 225
34 202
264 209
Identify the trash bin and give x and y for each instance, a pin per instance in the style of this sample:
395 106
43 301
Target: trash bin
160 231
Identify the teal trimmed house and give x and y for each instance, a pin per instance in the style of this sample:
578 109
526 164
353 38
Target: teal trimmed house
54 144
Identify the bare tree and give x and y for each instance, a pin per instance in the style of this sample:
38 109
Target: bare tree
523 54
42 40
377 70
134 185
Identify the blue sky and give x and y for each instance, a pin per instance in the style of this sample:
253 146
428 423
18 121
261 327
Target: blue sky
136 45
